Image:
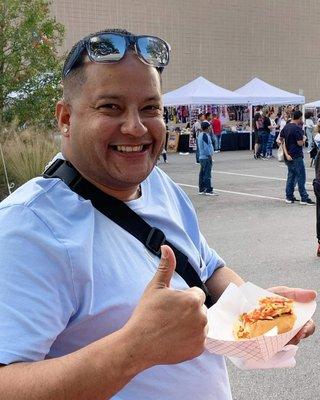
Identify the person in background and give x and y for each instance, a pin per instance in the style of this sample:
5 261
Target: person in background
196 129
316 188
309 126
217 129
272 135
205 157
164 150
293 140
258 129
208 118
266 124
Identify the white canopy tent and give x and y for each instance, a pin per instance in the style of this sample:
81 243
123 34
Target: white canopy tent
313 104
201 91
259 92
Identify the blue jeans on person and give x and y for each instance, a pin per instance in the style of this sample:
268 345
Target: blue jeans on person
264 141
197 154
309 133
217 142
270 144
205 175
296 173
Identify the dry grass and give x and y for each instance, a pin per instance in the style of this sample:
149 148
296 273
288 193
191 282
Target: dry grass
26 154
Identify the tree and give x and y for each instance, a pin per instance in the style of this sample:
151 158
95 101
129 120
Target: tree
29 62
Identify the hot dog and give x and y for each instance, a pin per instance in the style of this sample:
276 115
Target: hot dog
272 311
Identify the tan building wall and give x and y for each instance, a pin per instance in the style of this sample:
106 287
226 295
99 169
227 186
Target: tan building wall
226 41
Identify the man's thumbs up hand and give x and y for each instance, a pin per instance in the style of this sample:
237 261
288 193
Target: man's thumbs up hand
165 269
169 326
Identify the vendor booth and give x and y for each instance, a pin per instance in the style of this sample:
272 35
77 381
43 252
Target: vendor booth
201 92
314 105
258 92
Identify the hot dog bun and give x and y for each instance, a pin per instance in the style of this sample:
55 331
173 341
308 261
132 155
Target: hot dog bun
272 312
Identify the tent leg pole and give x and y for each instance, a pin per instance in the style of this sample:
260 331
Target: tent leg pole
250 116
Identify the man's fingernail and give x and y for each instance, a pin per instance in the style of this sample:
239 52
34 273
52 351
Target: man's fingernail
163 252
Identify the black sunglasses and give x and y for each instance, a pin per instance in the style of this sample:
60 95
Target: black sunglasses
108 47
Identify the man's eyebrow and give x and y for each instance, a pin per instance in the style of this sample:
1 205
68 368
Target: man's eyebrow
109 97
120 97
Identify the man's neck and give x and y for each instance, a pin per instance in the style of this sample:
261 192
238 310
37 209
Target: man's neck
129 194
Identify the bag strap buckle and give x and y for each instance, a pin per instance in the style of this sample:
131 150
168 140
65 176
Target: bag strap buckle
155 240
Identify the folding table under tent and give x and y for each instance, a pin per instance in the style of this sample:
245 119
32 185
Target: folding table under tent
259 92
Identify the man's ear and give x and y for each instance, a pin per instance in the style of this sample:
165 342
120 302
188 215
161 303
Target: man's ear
63 117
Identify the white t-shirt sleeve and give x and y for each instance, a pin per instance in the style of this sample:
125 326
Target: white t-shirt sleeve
36 287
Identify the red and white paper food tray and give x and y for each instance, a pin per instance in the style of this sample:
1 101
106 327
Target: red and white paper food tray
237 300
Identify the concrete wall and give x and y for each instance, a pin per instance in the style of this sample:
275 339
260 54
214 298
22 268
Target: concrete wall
226 41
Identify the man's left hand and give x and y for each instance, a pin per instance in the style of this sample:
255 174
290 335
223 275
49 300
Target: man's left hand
303 296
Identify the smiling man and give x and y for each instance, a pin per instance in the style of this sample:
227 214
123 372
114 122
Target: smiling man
87 311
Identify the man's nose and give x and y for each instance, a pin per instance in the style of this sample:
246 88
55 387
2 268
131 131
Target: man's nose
133 125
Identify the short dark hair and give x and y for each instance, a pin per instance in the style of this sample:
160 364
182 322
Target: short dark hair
200 115
308 114
297 115
205 125
82 57
207 114
76 77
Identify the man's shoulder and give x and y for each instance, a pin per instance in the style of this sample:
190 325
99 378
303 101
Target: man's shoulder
50 200
29 192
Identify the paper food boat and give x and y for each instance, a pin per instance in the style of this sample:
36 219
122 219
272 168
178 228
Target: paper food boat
237 300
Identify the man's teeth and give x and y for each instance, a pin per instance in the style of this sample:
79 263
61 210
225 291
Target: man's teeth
129 149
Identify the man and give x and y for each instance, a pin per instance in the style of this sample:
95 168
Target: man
87 312
205 156
293 140
216 129
196 129
316 189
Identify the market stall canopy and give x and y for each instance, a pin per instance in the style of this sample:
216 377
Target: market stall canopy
313 104
201 91
259 92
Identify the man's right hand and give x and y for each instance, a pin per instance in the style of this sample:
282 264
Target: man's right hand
170 325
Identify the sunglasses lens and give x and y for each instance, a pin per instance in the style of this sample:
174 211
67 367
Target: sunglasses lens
107 47
153 50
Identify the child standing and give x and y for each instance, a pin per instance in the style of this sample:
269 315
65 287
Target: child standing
205 147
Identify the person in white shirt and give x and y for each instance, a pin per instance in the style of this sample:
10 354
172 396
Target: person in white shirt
309 126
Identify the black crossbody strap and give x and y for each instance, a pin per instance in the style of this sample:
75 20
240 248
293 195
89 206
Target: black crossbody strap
116 210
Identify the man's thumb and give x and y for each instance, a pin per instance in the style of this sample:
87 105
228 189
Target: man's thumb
166 267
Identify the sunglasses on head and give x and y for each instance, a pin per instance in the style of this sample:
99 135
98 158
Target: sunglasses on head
108 47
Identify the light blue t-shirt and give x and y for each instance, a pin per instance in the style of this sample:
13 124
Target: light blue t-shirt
70 276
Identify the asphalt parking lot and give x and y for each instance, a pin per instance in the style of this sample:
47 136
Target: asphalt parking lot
266 241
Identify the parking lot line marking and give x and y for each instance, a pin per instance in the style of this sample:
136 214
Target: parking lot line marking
254 176
239 193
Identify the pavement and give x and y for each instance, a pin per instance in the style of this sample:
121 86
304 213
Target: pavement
267 242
